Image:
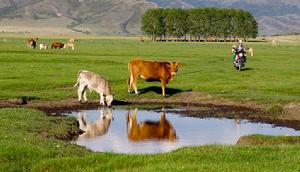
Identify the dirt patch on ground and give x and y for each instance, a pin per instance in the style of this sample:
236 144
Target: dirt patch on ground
195 104
271 140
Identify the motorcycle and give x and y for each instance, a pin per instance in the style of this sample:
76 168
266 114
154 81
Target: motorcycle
239 61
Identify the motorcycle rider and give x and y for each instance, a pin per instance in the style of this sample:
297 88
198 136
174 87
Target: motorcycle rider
239 50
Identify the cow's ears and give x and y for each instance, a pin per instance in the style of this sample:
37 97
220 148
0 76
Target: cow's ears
178 64
168 64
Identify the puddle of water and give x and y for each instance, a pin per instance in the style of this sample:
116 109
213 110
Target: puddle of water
122 131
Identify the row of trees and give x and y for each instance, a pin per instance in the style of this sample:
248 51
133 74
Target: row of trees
200 24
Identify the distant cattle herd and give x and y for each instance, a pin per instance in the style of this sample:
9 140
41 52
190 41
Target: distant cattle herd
32 43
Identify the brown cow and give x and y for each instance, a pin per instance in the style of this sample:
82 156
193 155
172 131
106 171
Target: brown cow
151 71
250 51
141 39
31 42
150 130
57 45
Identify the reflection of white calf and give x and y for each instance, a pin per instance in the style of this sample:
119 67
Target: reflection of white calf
95 128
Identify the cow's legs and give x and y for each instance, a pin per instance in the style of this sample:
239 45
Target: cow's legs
130 82
84 94
82 121
163 116
102 99
134 82
163 87
81 92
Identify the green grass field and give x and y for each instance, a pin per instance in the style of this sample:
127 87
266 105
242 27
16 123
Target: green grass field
27 136
271 75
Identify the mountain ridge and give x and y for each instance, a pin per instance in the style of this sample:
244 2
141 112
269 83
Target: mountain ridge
122 17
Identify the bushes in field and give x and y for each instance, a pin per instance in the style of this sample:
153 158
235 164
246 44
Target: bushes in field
199 24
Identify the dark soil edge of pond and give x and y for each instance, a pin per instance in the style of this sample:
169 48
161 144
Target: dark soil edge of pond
194 109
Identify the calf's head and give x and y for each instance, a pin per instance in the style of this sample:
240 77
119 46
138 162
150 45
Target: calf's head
173 67
109 100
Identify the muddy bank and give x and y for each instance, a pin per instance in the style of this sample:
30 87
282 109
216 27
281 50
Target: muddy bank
194 104
67 105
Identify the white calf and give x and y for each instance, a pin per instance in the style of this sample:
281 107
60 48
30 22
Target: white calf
43 46
69 45
92 81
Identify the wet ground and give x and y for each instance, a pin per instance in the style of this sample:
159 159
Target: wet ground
162 130
194 104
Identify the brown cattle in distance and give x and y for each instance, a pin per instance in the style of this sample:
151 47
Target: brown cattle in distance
149 130
31 42
141 39
250 51
57 45
151 71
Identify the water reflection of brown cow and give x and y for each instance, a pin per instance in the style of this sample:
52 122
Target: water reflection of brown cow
150 130
98 127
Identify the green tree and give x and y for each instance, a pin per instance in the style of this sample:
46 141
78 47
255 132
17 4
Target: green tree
153 23
199 22
177 22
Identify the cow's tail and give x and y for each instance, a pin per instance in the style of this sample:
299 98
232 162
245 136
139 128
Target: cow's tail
78 78
129 74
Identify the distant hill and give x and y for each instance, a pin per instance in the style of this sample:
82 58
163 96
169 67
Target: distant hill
73 16
122 17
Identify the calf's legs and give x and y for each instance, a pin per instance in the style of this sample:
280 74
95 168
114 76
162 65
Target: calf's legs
81 91
102 99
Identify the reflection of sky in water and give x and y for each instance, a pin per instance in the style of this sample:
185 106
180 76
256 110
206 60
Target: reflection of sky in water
190 132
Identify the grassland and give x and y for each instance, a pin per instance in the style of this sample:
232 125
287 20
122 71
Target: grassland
272 74
28 138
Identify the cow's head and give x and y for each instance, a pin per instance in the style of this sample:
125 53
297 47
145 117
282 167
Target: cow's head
173 67
109 100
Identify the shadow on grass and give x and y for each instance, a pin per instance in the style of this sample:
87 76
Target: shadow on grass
158 90
245 69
